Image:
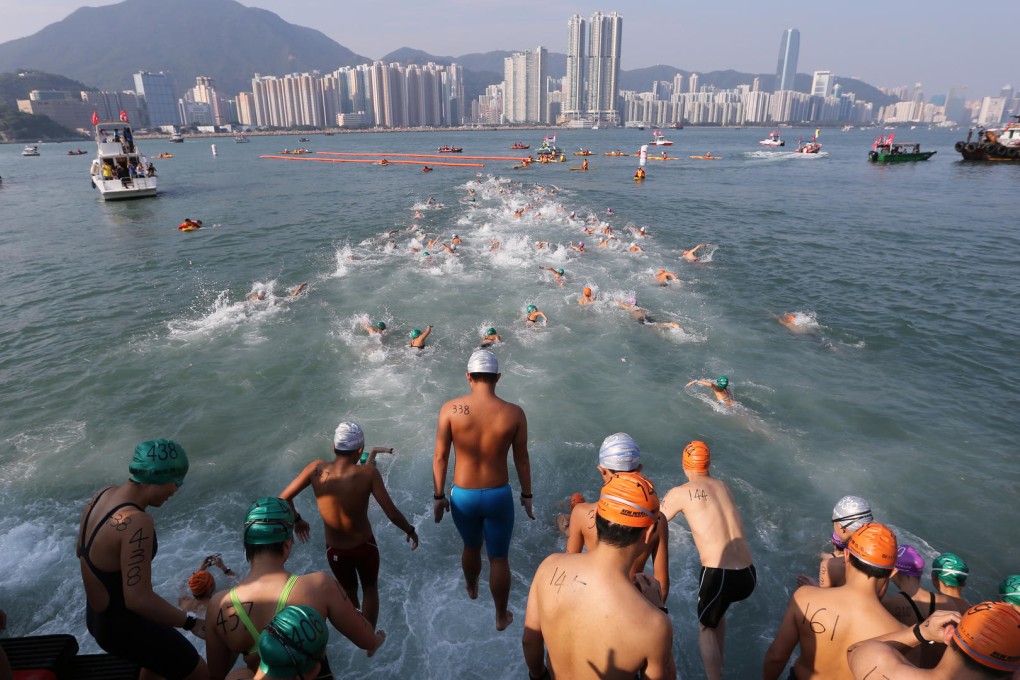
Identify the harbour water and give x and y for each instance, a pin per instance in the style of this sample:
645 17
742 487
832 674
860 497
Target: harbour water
116 328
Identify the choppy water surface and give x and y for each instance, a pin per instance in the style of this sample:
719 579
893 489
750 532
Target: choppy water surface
117 328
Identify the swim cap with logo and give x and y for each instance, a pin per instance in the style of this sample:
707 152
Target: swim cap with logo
490 331
531 308
415 333
628 498
575 500
908 561
158 461
201 583
482 361
950 569
852 512
348 436
722 381
293 642
619 452
381 326
269 520
1009 589
696 457
989 633
874 544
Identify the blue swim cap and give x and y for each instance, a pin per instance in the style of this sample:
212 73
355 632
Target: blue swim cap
722 381
415 333
158 461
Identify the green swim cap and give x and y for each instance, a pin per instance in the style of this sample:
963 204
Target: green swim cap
531 308
415 333
950 569
293 642
269 520
159 461
722 382
1009 589
425 254
381 326
560 272
490 331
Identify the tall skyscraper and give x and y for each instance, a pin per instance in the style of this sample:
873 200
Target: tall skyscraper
574 105
525 96
786 70
822 83
158 90
605 39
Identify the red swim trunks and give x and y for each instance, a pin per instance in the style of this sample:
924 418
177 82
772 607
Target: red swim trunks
350 565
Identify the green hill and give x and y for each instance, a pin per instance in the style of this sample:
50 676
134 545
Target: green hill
14 86
16 126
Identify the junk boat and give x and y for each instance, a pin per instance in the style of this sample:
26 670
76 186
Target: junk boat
885 150
773 140
116 155
992 145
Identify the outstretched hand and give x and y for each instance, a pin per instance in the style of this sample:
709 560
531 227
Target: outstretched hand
302 529
439 506
527 502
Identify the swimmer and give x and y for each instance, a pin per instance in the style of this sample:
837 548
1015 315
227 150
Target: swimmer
202 585
579 247
557 274
720 388
417 214
1009 591
609 211
789 320
532 313
587 297
298 289
848 515
379 328
635 248
588 230
606 241
490 338
493 245
949 576
563 519
293 645
638 232
426 169
451 250
664 277
455 240
418 337
431 200
259 294
540 244
691 255
606 229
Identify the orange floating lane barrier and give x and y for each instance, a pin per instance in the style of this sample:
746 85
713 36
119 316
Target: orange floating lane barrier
420 155
373 161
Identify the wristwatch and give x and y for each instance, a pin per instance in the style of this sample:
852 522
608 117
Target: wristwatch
190 621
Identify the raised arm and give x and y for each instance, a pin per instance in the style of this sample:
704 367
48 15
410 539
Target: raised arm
522 462
382 496
301 527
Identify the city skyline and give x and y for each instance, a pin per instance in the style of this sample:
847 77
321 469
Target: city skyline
886 45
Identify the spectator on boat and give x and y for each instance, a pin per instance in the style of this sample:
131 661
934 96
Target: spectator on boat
129 141
107 170
150 170
102 136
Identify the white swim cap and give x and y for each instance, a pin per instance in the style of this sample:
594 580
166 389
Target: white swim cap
852 512
483 361
455 236
348 437
619 452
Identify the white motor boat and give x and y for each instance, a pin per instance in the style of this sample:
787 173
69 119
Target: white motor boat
773 140
30 150
119 170
659 140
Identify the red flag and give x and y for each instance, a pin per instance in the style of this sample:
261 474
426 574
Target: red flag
95 118
878 140
890 138
123 116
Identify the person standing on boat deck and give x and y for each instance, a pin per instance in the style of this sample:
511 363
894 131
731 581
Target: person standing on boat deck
727 574
587 616
482 428
343 490
116 546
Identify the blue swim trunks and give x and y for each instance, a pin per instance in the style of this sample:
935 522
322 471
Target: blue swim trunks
487 513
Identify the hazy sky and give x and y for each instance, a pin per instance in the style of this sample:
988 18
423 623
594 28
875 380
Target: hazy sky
895 42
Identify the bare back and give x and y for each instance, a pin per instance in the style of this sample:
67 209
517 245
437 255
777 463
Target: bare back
482 428
342 492
574 600
715 522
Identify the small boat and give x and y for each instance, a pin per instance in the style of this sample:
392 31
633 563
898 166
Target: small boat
519 145
30 150
659 140
176 138
615 153
773 140
992 145
79 152
449 149
679 125
885 150
164 155
241 139
303 139
294 152
549 148
119 171
811 146
583 152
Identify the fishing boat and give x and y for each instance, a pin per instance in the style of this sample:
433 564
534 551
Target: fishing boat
449 149
885 150
659 140
773 140
241 139
992 145
119 170
30 150
519 145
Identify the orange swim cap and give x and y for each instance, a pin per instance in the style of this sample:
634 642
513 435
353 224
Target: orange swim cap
696 456
587 291
575 500
628 498
875 545
989 633
202 583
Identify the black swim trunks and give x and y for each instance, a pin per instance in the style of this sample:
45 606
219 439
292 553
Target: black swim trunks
720 588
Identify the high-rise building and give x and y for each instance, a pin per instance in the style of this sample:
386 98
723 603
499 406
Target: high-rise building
786 70
574 106
524 76
821 84
160 102
605 33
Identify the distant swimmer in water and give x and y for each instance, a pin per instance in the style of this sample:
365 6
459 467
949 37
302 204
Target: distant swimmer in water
691 255
450 249
490 338
189 224
259 294
639 232
418 337
540 244
455 240
587 297
431 200
635 248
532 313
664 277
417 214
609 211
557 274
379 328
579 247
606 229
643 316
606 240
720 388
297 291
793 323
493 245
